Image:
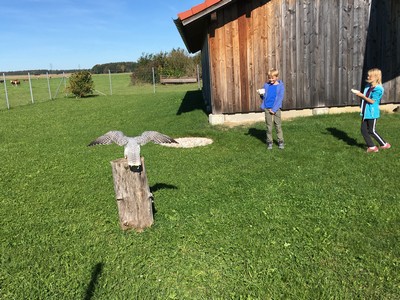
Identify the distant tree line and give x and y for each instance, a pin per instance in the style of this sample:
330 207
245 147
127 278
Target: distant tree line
118 67
41 71
176 63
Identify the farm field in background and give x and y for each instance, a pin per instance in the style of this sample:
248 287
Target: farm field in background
318 220
120 85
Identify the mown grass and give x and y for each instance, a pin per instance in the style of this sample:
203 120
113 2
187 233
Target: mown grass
318 220
120 85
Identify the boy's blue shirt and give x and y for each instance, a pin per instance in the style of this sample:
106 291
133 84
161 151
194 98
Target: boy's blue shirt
277 103
371 110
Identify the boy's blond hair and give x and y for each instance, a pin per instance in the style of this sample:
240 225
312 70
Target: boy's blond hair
273 72
376 75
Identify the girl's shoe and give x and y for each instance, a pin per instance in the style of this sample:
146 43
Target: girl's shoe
386 146
373 149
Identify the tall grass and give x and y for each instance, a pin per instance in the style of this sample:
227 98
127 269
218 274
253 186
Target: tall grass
318 220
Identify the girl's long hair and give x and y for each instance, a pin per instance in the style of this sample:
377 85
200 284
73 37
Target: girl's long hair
376 76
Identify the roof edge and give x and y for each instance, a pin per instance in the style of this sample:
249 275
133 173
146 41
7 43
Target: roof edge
180 27
201 10
197 9
192 18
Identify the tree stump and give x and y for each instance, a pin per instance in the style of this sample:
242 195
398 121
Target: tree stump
132 192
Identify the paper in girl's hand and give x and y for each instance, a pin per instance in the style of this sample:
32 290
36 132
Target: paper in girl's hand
261 91
355 91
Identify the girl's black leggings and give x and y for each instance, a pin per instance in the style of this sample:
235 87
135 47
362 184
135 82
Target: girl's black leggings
368 130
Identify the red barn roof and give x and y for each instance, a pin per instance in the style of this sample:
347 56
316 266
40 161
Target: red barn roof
192 23
197 9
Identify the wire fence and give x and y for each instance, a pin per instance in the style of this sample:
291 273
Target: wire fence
28 89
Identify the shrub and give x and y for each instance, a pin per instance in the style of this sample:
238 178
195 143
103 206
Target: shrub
81 84
176 63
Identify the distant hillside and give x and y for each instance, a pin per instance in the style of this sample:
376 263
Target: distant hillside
39 72
117 67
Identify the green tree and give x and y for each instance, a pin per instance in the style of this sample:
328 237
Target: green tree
117 67
81 84
176 63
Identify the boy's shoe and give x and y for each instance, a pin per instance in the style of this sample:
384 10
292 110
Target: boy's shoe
373 149
386 146
269 146
281 146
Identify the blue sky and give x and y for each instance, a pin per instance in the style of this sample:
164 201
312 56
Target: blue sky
72 34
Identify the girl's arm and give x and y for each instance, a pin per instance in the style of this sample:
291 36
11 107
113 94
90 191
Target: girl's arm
375 95
361 95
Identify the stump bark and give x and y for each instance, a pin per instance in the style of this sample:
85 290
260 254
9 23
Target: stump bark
134 199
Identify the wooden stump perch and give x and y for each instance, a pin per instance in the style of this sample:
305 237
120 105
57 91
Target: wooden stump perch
134 199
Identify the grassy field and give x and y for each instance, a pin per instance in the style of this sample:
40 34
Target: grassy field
318 220
120 85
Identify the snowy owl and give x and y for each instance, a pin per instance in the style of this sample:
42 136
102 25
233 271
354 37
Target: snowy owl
132 144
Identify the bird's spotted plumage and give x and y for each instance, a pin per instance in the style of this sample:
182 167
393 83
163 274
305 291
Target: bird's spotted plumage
132 144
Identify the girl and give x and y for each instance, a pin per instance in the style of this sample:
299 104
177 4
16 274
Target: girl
371 98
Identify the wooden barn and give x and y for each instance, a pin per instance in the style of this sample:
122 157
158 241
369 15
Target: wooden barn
321 48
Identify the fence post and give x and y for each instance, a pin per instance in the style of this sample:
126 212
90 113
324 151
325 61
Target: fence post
109 76
48 84
198 77
5 89
58 88
154 81
30 87
65 85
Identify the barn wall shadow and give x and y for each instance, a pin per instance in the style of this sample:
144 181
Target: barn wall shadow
382 45
193 100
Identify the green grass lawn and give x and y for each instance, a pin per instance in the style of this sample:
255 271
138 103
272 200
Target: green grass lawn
120 85
318 220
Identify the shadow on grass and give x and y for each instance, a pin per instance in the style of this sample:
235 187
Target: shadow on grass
160 186
257 133
96 273
343 136
71 96
193 100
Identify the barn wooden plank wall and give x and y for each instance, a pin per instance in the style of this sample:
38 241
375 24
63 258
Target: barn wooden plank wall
383 42
318 46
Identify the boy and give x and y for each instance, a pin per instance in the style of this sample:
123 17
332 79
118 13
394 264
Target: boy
272 103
